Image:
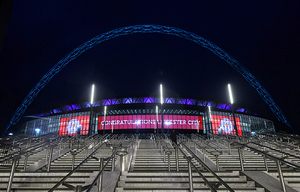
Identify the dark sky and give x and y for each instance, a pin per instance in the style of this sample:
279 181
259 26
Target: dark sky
261 35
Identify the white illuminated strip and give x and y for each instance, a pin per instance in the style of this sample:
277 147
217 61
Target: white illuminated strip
161 94
104 114
230 94
92 96
157 113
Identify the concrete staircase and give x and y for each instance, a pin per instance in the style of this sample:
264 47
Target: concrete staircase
149 172
228 160
42 180
146 167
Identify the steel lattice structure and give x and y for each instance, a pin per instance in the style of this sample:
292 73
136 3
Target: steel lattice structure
147 29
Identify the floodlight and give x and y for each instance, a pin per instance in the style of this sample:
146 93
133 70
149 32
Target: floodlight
92 94
230 94
161 94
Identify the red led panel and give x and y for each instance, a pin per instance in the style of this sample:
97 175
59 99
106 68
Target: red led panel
225 125
150 122
70 125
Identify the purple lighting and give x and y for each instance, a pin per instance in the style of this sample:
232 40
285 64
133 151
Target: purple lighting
228 107
115 102
127 100
57 111
106 102
76 106
241 110
148 100
190 102
130 100
170 100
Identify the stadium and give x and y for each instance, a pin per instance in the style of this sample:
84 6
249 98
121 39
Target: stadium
145 115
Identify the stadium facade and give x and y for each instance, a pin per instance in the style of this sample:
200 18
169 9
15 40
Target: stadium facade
145 114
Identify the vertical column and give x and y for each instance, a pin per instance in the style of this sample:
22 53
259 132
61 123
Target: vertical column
190 175
12 172
280 175
101 175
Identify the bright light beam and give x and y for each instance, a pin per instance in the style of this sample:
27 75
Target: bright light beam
92 94
161 94
230 94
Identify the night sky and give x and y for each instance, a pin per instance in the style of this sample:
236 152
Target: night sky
261 35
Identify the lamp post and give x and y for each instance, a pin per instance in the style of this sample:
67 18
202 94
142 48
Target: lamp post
137 122
231 101
156 129
91 112
161 104
209 120
104 120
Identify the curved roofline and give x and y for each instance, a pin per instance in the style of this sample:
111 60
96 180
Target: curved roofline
147 100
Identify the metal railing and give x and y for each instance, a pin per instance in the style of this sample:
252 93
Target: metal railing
71 172
211 186
99 176
207 168
274 158
280 151
15 157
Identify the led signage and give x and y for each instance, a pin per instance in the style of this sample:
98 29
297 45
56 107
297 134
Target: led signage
225 125
150 122
74 125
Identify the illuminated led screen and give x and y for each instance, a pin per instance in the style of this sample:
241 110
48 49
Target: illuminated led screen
225 125
72 125
150 122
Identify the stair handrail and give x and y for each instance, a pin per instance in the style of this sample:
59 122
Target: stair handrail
274 158
72 171
102 170
215 149
285 153
91 138
168 150
219 152
25 151
197 170
270 156
206 167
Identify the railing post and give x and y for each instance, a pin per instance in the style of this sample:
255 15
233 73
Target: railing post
164 155
25 161
113 163
12 172
47 154
229 146
217 162
50 158
241 158
280 175
169 163
73 159
101 175
121 163
266 163
71 144
190 174
59 149
176 157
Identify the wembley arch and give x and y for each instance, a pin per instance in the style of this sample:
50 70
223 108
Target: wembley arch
147 29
